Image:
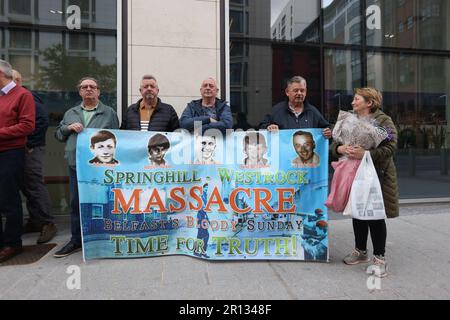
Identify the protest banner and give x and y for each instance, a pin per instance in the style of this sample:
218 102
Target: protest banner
250 195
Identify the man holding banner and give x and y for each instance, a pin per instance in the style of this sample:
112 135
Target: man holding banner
297 113
211 112
150 113
91 113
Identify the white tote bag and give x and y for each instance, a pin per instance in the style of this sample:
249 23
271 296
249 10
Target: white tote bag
366 197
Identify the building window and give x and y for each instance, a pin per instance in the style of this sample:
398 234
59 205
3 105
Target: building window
236 22
97 212
87 8
79 41
20 39
341 17
22 7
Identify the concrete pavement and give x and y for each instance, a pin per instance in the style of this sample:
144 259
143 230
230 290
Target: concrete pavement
418 255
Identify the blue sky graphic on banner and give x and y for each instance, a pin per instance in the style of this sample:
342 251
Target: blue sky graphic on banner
253 195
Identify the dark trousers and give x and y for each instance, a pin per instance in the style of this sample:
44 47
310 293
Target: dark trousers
34 188
75 206
378 233
11 178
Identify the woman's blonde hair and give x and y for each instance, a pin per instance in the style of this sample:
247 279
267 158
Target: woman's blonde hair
371 94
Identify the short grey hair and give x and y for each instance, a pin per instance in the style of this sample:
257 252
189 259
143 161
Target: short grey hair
88 78
148 77
6 68
296 79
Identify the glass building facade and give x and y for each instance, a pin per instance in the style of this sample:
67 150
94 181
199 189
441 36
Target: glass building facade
401 47
53 46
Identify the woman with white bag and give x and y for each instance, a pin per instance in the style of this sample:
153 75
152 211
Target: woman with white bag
367 104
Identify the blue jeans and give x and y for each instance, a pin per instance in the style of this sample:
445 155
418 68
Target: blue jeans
11 172
75 207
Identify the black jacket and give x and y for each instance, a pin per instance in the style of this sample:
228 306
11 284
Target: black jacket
37 138
164 118
285 119
194 112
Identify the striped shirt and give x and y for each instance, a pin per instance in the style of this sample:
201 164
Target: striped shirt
146 115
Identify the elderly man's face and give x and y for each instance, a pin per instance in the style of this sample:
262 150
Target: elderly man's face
89 90
149 89
209 89
207 146
296 93
304 146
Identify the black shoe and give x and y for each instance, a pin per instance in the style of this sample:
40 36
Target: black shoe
67 250
47 233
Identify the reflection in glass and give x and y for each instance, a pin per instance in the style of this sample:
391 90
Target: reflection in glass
79 41
415 91
290 62
52 59
415 87
236 22
342 75
419 24
20 39
342 21
236 73
22 7
295 20
250 71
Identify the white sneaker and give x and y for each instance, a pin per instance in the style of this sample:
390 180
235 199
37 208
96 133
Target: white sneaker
378 267
356 257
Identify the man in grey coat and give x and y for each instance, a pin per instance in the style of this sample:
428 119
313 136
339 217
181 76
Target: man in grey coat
91 113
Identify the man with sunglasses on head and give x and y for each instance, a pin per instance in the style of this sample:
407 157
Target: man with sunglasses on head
91 113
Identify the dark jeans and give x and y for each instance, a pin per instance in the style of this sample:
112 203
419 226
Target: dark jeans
11 178
34 188
75 206
378 233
